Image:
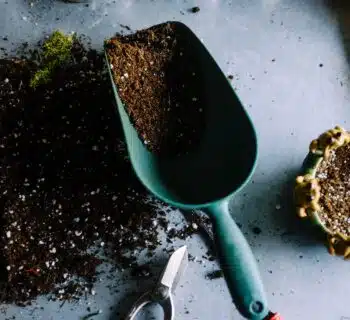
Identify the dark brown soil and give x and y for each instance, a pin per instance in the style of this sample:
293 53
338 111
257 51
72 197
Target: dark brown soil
67 192
214 275
65 181
256 230
157 77
195 9
334 178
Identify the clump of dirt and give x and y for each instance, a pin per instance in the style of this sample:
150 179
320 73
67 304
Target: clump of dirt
214 275
195 9
68 195
157 78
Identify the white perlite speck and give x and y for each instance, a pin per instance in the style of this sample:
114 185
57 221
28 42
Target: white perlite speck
8 234
322 175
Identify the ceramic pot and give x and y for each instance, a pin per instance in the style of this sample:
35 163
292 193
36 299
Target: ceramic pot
307 191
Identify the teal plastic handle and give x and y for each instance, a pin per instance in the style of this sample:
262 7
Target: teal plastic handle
238 264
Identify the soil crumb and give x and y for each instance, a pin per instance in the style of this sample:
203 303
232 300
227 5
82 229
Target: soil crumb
195 9
214 275
256 230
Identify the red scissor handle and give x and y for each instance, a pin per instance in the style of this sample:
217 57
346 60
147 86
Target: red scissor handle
274 316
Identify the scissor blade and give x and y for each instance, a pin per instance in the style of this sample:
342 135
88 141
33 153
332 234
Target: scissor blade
175 268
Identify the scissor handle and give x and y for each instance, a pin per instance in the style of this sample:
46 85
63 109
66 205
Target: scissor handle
145 299
273 316
148 297
168 308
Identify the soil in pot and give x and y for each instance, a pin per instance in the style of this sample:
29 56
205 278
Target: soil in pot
333 176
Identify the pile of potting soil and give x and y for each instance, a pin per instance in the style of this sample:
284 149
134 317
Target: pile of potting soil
66 184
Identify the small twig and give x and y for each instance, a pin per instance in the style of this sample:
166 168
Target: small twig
32 312
90 315
33 271
62 304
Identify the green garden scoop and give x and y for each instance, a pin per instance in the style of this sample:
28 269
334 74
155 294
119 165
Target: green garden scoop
207 178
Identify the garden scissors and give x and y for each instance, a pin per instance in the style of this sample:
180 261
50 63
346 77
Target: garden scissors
162 293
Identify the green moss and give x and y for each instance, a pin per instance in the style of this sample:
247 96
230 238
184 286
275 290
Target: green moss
55 51
42 76
58 46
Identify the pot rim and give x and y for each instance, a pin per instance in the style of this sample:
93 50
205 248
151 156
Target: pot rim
309 168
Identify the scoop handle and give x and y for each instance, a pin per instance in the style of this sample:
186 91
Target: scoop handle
238 264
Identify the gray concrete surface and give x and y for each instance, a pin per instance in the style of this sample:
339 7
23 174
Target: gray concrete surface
274 49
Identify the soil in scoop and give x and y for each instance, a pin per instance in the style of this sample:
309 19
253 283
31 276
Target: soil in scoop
334 178
158 80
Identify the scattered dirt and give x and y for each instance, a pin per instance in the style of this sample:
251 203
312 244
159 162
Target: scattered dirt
157 77
143 271
230 76
69 199
334 178
124 26
214 275
256 230
195 9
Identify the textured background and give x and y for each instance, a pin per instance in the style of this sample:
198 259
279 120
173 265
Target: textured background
275 50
